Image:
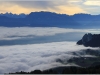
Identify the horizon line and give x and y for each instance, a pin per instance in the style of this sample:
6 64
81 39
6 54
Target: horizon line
50 12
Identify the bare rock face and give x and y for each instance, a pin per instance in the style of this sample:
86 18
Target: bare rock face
92 40
86 38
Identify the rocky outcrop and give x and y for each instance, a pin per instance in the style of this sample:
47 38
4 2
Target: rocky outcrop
92 40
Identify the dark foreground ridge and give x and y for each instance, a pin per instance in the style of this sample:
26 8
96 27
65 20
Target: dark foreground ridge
66 70
90 40
86 65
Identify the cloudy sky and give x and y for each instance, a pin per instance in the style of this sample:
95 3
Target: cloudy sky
59 6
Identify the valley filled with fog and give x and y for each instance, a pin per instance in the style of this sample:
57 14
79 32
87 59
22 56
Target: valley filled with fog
30 48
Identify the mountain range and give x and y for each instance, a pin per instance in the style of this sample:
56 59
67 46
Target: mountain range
11 15
50 19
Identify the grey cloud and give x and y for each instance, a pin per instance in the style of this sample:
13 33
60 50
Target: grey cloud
46 5
27 35
41 4
23 32
35 4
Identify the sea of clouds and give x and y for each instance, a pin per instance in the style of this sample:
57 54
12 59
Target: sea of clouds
23 32
41 55
35 56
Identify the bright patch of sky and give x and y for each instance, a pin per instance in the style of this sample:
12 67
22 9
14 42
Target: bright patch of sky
59 6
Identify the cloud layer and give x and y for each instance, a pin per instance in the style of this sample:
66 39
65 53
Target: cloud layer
35 56
59 6
31 32
43 55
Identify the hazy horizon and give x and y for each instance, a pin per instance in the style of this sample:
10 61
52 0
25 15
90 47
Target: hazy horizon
46 11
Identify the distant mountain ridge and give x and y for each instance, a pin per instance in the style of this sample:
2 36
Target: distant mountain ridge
49 19
11 15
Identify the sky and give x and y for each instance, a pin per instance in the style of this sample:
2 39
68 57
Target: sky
59 6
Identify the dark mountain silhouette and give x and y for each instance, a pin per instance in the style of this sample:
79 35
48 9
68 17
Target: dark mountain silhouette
87 20
92 40
50 19
66 70
39 19
22 15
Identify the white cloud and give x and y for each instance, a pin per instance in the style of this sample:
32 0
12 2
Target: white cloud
35 56
31 32
92 3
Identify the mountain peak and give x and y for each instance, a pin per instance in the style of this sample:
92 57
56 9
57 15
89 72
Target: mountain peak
92 40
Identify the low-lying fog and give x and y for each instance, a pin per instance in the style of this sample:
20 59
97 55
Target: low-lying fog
27 49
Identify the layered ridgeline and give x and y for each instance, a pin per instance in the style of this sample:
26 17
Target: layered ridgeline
39 19
92 40
11 15
50 19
